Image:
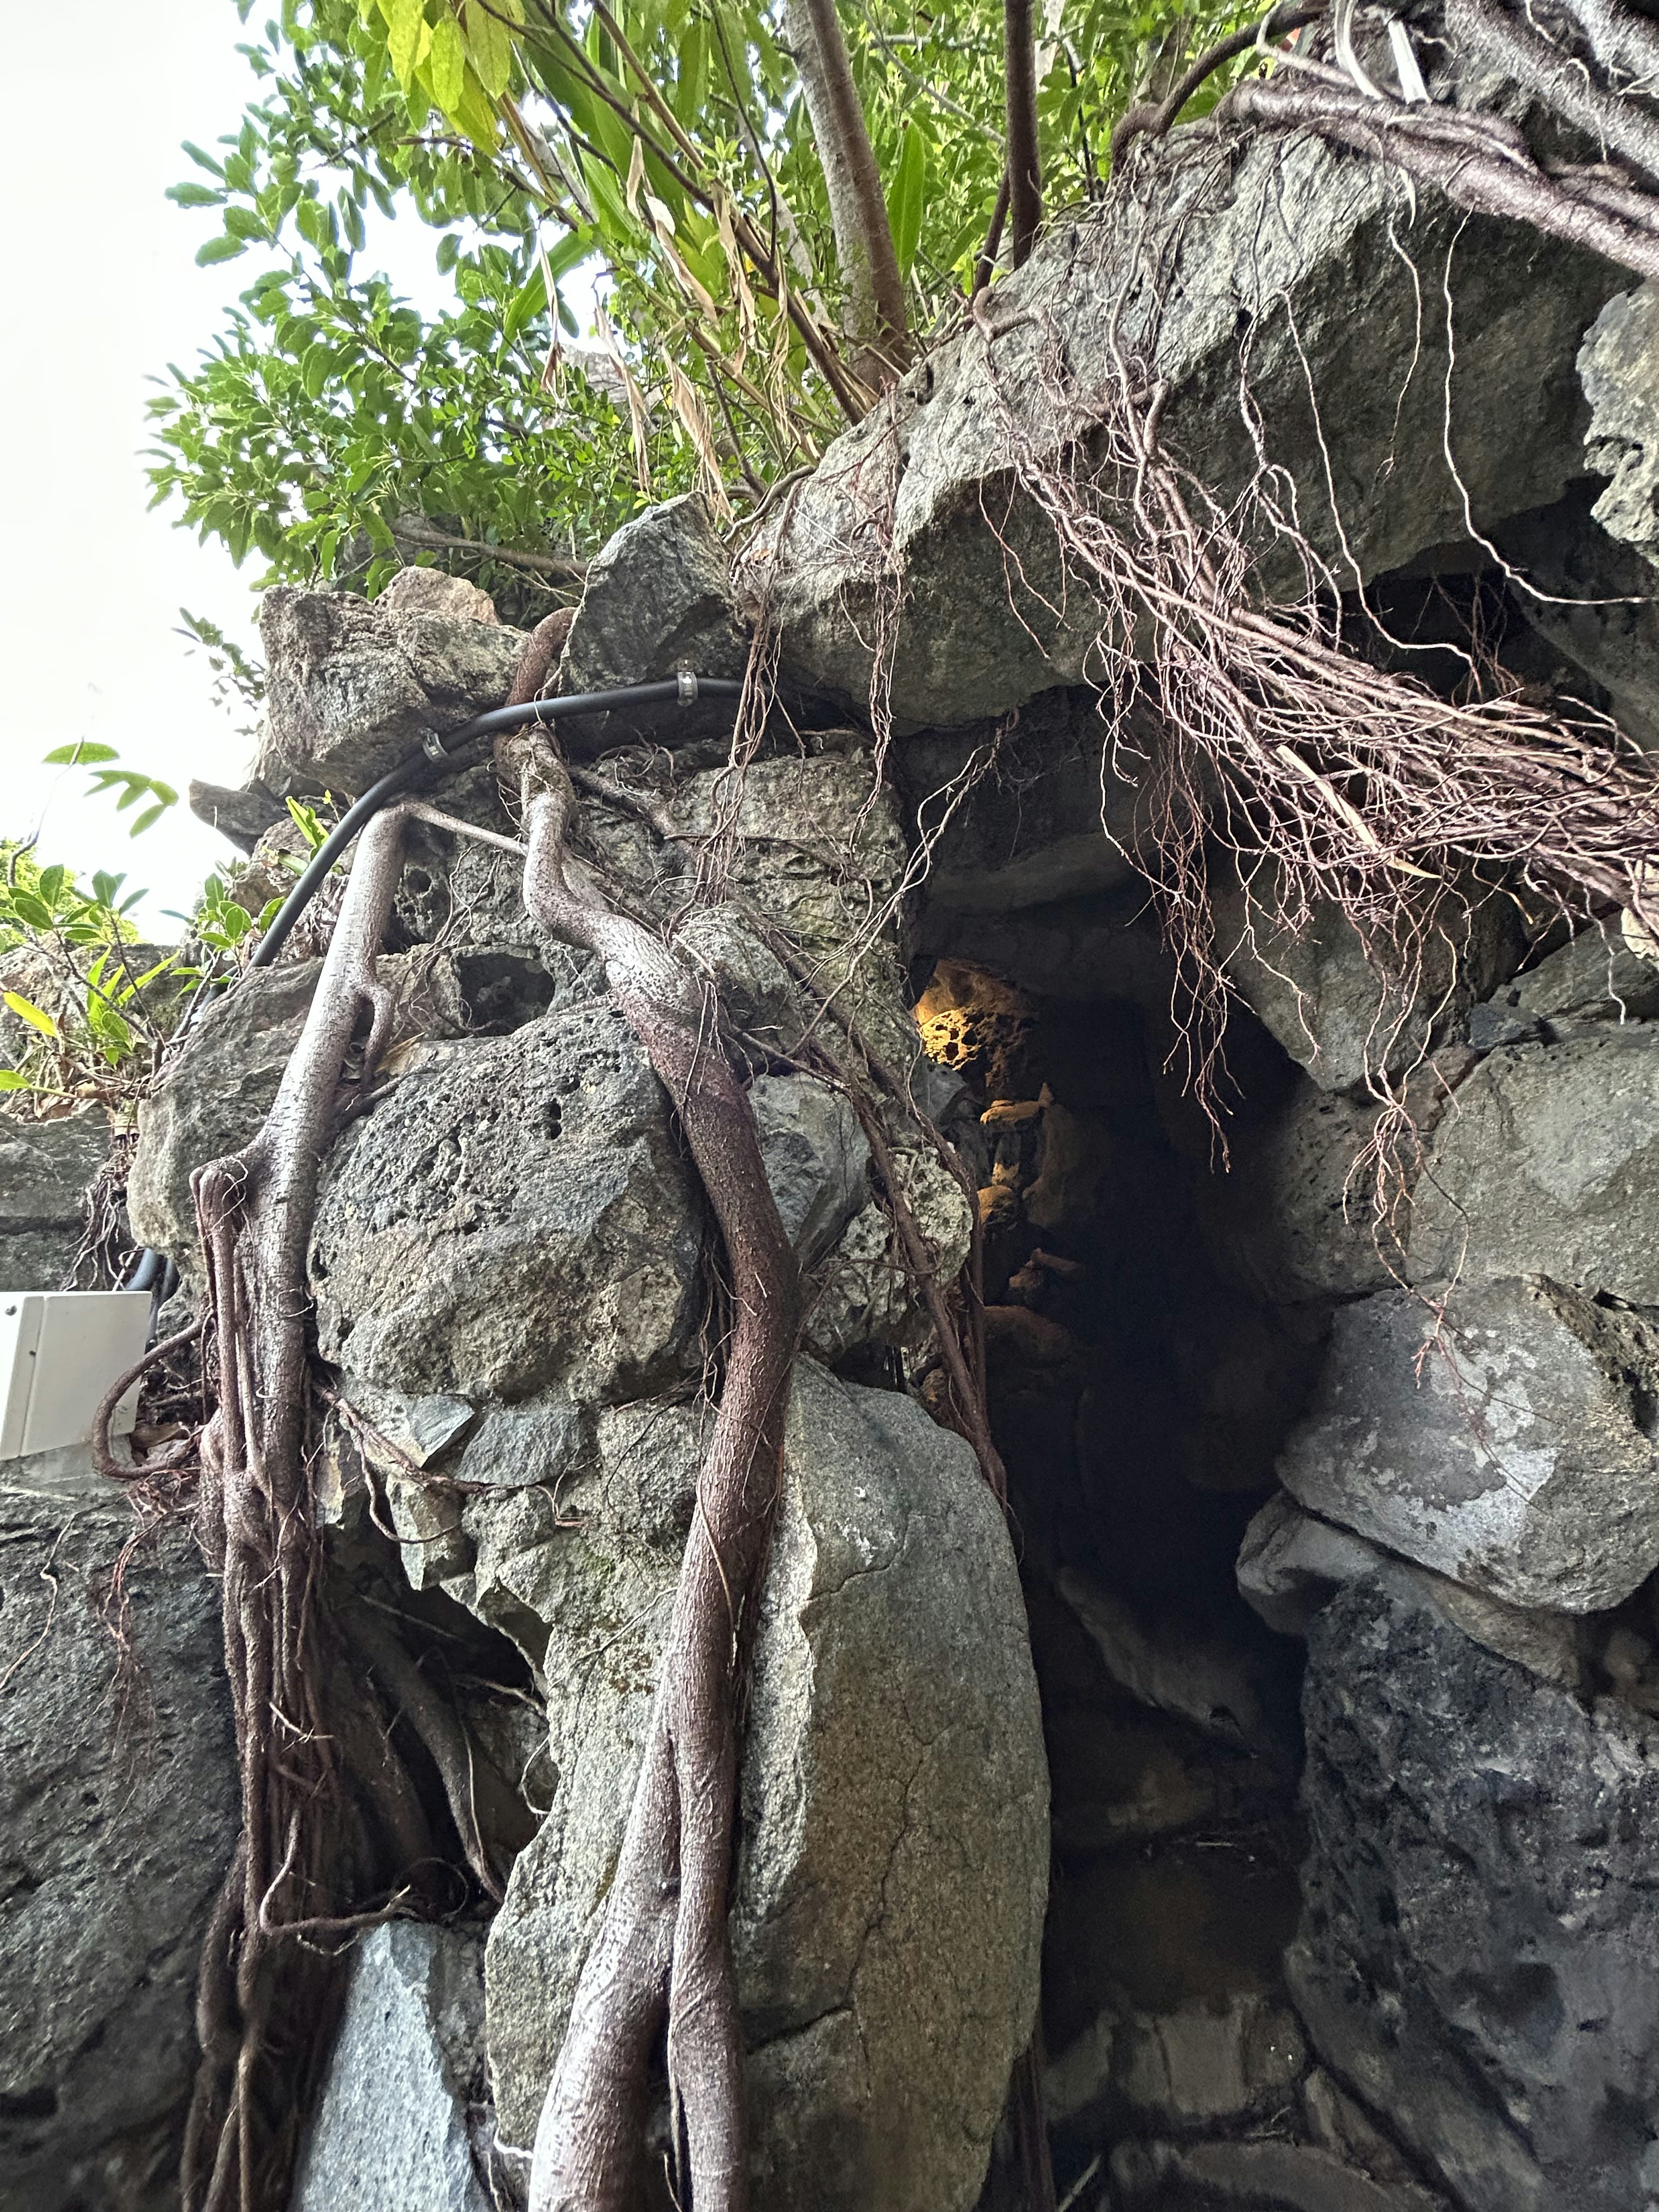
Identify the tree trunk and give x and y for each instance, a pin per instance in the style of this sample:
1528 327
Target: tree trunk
874 310
1024 170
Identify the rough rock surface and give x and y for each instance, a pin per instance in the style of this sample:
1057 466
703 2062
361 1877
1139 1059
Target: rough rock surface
390 2132
352 687
1521 1462
1547 1162
213 1097
1258 2177
44 1169
1481 1916
118 1815
657 599
513 1216
1280 230
1619 367
890 1894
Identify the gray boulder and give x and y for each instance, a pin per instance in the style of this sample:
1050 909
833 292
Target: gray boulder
214 1095
44 1169
1257 2177
1593 978
352 687
816 1159
512 1216
1619 367
1547 1162
657 599
118 1812
1515 1456
390 2133
1479 1910
890 1890
1279 245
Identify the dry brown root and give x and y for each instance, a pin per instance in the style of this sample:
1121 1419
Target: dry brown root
264 1997
663 1945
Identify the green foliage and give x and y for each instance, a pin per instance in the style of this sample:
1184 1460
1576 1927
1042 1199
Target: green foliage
239 683
663 143
136 788
36 901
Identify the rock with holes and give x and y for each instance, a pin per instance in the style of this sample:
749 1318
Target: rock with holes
512 1217
1516 1454
44 1169
1548 1161
118 1813
353 685
891 1888
1618 366
390 2134
1479 1912
215 1091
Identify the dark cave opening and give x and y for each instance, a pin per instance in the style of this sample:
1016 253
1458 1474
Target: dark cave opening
1140 1387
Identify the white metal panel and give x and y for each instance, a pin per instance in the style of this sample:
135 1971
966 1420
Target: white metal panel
69 1347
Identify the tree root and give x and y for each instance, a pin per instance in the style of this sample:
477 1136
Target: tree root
663 1945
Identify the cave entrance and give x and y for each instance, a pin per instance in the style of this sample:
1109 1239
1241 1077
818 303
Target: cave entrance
1140 1387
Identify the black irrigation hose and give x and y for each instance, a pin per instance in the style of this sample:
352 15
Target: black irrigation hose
153 1271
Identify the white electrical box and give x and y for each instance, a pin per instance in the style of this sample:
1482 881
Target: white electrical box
59 1352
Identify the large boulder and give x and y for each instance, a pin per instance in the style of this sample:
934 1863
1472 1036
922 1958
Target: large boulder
890 1892
390 2132
1246 271
511 1218
118 1813
353 686
1509 1447
1480 1909
44 1169
1547 1162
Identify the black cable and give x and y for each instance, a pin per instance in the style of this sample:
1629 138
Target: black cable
434 753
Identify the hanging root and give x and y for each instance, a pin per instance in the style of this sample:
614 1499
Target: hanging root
269 1976
662 1946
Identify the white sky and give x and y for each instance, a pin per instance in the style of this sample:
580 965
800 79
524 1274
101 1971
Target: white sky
105 292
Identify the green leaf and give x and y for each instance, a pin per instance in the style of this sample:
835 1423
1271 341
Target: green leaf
105 886
446 65
315 369
150 815
51 884
201 161
11 1080
27 1009
31 909
83 752
407 32
219 249
904 202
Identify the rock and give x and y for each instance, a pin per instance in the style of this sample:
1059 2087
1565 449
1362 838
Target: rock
868 1295
44 1169
1265 2177
1186 2068
118 1817
1618 368
657 599
1296 1212
1290 1565
1547 1162
351 687
390 2133
1592 603
515 1216
1342 1015
242 815
755 990
890 1889
1593 978
1480 1909
1339 2124
414 592
1521 1464
1215 1687
816 1159
1277 241
1292 1562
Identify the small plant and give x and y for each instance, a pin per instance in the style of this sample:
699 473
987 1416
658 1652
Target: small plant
136 788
